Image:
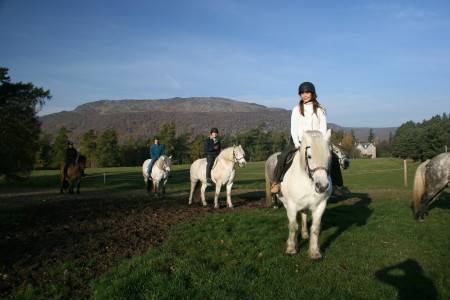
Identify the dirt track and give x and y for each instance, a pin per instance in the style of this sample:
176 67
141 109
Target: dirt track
92 231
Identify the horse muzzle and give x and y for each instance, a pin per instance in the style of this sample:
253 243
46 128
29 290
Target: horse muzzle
320 188
346 164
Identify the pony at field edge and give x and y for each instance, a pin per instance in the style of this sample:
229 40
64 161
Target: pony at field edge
306 186
431 178
222 173
74 172
160 174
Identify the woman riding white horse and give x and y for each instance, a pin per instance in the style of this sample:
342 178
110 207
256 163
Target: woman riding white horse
308 122
222 173
159 174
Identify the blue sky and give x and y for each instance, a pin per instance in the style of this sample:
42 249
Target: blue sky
374 63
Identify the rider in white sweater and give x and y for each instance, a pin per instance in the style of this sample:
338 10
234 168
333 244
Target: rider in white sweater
307 115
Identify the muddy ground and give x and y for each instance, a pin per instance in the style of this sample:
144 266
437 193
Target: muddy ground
69 240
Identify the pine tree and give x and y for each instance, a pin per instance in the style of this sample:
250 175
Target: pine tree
19 125
108 152
88 147
59 147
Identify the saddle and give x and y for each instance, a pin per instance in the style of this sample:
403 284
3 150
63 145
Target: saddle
288 164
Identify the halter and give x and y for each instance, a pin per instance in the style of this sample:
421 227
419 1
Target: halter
312 171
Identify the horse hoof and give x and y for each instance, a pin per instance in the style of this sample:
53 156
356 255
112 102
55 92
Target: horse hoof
216 206
290 250
316 256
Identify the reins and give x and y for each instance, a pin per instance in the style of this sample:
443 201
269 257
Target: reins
312 171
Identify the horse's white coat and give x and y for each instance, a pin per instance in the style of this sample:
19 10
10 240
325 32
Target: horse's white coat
160 172
300 193
222 173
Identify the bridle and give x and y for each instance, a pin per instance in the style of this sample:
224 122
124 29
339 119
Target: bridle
312 171
237 159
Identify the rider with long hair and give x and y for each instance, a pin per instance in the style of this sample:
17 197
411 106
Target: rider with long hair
307 115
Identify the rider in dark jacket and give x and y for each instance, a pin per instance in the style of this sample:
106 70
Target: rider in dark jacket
156 151
212 149
70 157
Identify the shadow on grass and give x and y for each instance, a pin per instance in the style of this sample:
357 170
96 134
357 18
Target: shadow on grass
409 280
442 202
355 211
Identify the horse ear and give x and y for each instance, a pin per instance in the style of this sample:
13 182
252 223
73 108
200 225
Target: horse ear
328 135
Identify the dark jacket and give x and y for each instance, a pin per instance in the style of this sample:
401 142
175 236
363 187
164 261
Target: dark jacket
156 150
71 155
212 147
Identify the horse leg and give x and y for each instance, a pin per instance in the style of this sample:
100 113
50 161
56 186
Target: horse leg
203 190
304 230
229 186
314 250
61 190
293 230
78 186
191 194
217 193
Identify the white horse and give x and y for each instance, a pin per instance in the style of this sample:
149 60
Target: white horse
307 186
222 173
160 174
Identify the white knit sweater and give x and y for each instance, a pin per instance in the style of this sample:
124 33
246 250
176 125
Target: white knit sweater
310 121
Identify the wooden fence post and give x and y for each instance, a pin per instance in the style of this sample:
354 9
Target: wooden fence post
405 173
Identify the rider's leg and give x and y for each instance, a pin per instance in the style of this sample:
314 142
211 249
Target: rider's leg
280 168
66 165
209 164
336 174
149 170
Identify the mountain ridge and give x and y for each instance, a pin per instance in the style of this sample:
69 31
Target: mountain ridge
141 118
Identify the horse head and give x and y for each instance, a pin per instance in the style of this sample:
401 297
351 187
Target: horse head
239 155
315 158
344 162
167 163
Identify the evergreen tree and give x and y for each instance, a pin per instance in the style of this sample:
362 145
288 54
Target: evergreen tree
88 147
167 136
59 147
108 152
19 125
44 155
371 136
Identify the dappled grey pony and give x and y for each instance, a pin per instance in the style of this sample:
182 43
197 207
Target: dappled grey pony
306 186
160 174
432 178
222 173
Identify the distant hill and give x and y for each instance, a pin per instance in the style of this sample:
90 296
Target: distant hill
196 115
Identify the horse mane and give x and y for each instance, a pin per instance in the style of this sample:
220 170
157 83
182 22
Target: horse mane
159 163
319 146
227 153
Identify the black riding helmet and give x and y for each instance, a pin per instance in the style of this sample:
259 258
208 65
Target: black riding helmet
306 87
214 129
69 143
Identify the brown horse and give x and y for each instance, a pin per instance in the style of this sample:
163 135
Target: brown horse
74 172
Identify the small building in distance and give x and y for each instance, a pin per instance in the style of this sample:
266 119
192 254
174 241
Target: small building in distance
367 150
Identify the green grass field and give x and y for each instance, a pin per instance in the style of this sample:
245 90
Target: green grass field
372 247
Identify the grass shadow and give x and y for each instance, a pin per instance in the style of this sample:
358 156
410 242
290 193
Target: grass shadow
409 280
355 211
442 202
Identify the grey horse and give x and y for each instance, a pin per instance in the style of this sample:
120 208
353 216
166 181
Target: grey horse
431 178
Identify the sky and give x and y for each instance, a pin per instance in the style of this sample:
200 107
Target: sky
374 63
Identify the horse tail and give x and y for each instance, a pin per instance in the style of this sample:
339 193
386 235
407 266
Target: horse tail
268 193
419 185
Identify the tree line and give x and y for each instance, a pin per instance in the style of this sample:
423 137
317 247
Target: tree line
421 141
103 149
